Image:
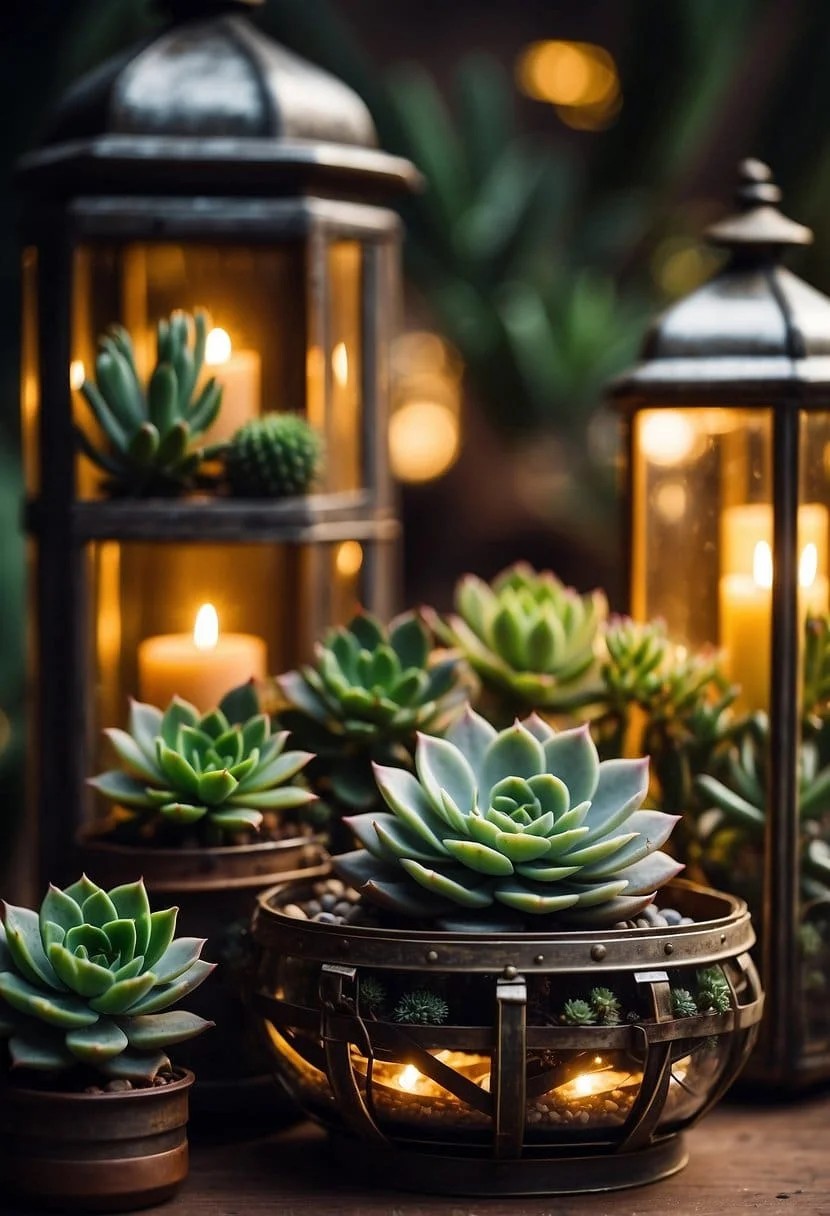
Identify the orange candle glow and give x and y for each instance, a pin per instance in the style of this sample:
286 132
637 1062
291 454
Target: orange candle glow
199 667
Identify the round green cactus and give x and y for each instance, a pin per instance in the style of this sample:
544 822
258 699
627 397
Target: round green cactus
85 981
529 638
189 768
275 456
527 818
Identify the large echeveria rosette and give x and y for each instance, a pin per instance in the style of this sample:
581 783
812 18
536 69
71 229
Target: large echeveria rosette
529 638
527 818
88 982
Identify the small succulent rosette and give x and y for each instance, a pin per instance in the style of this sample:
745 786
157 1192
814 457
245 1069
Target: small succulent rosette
192 770
88 982
531 640
527 819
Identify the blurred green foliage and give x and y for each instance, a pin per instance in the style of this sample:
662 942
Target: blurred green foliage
535 256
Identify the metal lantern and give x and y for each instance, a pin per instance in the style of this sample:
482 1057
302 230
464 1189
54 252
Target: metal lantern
729 499
207 168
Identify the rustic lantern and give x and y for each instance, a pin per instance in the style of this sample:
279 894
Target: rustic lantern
209 168
729 493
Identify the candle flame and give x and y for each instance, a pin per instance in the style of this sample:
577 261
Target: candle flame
218 347
206 628
77 374
808 566
340 364
587 1084
409 1078
762 564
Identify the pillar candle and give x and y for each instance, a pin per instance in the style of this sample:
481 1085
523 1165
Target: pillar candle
240 374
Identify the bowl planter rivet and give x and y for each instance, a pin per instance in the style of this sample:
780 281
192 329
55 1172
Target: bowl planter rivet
539 959
432 956
598 953
669 948
510 972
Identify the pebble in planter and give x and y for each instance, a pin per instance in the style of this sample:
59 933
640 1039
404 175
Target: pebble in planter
93 1115
504 995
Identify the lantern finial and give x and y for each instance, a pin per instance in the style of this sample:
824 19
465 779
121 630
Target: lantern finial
758 223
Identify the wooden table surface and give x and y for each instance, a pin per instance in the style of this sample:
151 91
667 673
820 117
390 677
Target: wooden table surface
759 1159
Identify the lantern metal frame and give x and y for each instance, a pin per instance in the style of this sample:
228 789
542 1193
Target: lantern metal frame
125 162
755 336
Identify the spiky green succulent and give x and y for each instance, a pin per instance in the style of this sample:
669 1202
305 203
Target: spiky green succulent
683 1003
422 1008
606 1005
189 768
368 691
151 433
526 818
275 456
90 979
373 995
713 994
578 1013
529 638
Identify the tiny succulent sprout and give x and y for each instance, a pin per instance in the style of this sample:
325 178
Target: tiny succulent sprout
528 637
683 1003
89 981
606 1006
578 1013
150 435
422 1008
191 768
372 995
713 992
275 456
527 818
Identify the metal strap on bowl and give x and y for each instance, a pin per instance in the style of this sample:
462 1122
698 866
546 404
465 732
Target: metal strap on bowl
338 993
509 1081
654 1087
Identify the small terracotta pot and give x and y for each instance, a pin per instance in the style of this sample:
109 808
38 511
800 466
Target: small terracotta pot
110 1152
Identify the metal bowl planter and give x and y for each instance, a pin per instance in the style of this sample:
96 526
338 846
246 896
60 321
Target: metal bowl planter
216 891
513 1102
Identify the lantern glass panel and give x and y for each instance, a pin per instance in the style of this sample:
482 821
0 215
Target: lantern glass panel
814 944
29 373
279 597
343 430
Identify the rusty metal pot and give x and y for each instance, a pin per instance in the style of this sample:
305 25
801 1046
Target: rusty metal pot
109 1152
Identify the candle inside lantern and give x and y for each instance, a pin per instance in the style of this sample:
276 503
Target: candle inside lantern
200 667
240 374
746 590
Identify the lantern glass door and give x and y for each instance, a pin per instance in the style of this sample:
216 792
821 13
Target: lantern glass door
814 808
286 335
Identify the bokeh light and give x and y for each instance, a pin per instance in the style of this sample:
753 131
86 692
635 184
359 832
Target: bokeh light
579 78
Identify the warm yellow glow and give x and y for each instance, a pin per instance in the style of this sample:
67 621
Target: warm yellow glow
218 347
808 566
671 501
340 364
667 437
77 374
206 628
409 1078
568 73
679 265
349 558
588 1084
762 564
424 440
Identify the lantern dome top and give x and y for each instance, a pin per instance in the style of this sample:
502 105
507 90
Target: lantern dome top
210 89
753 334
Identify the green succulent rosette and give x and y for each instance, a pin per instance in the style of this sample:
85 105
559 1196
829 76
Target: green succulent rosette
88 981
187 768
368 692
527 818
151 434
529 638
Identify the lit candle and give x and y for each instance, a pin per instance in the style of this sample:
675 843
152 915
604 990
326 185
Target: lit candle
199 667
746 590
240 374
